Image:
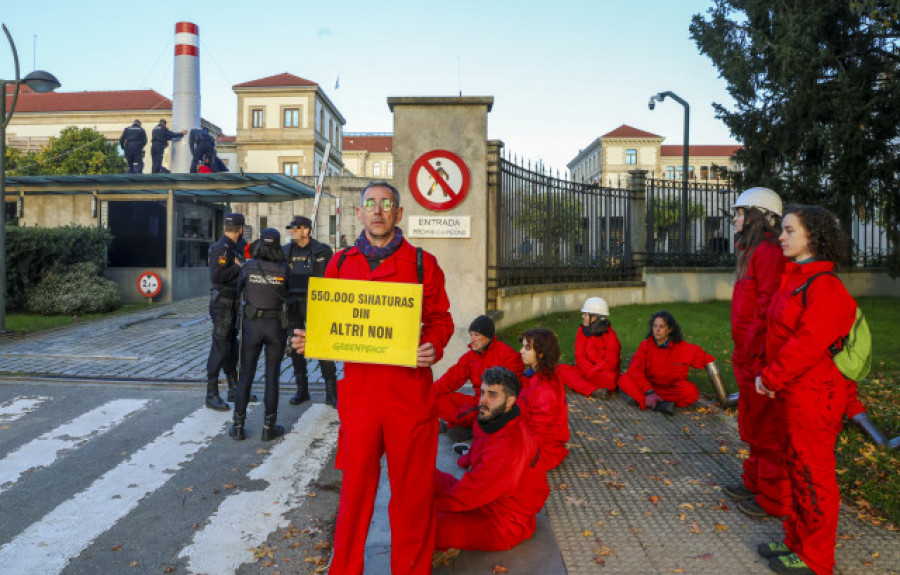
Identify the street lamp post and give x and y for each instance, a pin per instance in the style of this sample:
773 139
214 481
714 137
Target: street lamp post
39 81
684 160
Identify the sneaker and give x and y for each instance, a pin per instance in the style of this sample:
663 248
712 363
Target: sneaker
600 393
443 558
751 507
769 550
461 448
790 564
459 434
738 492
667 407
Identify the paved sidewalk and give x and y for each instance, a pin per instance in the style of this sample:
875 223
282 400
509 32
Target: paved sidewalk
639 493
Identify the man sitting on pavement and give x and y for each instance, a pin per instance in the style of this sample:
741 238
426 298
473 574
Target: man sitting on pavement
458 410
504 488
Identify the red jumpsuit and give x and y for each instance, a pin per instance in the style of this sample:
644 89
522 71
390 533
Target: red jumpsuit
460 409
493 506
390 410
764 471
543 404
664 370
811 395
599 359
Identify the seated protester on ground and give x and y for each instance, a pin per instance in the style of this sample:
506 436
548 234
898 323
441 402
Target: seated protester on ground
459 410
493 506
597 352
657 374
543 399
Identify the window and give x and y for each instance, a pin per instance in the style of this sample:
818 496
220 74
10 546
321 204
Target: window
139 234
257 118
376 169
263 222
390 171
290 169
631 157
291 118
321 121
670 172
704 172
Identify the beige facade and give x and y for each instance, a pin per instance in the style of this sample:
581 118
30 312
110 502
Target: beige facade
283 126
608 159
369 155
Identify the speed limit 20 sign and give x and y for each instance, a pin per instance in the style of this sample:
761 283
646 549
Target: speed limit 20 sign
149 284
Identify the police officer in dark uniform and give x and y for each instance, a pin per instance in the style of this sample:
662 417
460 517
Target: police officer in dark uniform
263 287
133 140
225 257
306 258
202 144
159 141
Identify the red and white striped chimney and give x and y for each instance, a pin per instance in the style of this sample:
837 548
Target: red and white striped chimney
186 93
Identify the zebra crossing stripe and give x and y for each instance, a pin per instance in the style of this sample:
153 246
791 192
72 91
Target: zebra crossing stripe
44 450
12 410
50 543
245 519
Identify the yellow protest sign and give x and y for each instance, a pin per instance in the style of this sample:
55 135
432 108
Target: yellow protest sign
363 321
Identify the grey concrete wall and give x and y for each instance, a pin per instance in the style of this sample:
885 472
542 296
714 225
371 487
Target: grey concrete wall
659 285
458 125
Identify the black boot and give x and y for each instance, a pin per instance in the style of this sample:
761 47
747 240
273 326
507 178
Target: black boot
331 396
270 429
236 431
302 395
867 425
232 389
213 401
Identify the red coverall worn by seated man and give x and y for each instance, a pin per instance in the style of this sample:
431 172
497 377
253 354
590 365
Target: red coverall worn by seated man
764 472
664 370
599 359
543 403
493 506
811 394
390 410
460 409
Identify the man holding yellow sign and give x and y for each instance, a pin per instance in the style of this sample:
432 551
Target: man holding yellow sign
389 325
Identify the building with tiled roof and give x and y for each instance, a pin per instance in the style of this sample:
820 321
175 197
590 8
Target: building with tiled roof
369 155
39 117
608 159
284 123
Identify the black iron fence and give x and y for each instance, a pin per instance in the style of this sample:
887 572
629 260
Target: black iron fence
552 230
705 238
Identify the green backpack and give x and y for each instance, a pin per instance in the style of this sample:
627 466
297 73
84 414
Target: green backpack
852 354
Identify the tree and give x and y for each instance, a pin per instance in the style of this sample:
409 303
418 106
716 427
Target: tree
550 218
817 99
75 151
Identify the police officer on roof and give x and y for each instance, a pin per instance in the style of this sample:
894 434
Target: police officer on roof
225 261
306 258
159 141
132 141
262 284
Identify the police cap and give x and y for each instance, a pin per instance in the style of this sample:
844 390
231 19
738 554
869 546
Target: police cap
270 236
300 221
234 219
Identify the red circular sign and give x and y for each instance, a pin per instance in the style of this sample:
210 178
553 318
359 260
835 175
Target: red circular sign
149 284
439 180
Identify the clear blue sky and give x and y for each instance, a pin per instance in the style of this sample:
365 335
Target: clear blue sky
561 73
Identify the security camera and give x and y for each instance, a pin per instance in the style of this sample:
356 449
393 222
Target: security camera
652 103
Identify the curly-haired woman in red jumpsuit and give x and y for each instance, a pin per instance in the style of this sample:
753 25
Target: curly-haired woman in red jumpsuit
764 489
657 373
810 391
543 400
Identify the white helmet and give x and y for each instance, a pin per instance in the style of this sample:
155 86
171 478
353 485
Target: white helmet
595 306
762 198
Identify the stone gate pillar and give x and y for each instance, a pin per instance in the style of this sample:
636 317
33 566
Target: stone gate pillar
449 130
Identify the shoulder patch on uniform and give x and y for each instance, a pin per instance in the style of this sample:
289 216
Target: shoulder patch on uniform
222 260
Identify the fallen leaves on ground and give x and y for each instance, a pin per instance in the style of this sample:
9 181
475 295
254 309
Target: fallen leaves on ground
499 569
264 551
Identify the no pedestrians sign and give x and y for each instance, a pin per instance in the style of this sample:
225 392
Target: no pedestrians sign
439 180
